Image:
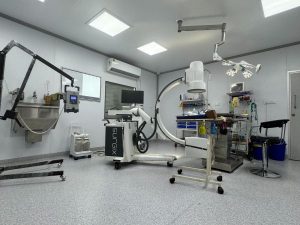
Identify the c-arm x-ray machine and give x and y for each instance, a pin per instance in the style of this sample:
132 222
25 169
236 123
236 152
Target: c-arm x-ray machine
125 139
126 142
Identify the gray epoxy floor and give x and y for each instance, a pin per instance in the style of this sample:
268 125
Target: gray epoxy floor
140 193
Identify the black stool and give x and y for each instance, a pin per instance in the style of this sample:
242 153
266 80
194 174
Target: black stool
266 141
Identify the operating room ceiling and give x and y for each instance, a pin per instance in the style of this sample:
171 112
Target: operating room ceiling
155 20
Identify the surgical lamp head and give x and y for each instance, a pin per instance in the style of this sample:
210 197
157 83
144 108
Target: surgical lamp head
231 72
258 68
247 74
245 68
194 78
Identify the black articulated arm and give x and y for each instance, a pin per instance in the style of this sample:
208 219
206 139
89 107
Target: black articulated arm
2 63
12 114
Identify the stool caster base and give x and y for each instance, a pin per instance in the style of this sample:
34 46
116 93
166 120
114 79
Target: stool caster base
265 173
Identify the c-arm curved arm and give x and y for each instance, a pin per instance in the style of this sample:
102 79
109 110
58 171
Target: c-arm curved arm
162 131
160 123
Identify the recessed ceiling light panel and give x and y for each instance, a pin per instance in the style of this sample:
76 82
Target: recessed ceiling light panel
108 24
152 48
273 7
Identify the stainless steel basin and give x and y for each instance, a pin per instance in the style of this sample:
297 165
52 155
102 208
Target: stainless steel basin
38 117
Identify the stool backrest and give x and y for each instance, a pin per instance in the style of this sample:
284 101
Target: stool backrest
274 124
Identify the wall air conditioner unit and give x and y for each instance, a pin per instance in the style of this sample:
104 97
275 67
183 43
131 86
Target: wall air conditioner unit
118 67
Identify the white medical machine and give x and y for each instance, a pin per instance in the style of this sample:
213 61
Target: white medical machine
80 143
125 140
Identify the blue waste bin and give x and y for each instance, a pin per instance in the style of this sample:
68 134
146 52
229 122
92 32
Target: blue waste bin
277 151
257 153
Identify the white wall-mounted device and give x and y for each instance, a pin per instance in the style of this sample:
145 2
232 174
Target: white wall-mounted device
118 67
237 87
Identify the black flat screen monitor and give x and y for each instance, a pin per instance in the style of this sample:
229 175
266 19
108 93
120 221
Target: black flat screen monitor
132 97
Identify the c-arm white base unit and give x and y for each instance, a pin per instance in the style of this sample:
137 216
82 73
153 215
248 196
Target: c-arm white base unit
121 146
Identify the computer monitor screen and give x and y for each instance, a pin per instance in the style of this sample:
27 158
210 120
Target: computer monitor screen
132 97
73 99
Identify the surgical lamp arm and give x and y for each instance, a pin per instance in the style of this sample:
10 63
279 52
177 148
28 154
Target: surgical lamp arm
216 56
199 27
222 27
11 114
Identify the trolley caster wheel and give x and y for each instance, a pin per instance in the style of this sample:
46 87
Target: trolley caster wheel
179 171
172 180
63 178
75 158
89 156
219 178
175 145
70 156
170 164
220 190
117 165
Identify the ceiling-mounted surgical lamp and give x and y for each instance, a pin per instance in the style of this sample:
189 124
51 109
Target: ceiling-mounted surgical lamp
245 68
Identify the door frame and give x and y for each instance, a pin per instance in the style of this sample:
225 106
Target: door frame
289 73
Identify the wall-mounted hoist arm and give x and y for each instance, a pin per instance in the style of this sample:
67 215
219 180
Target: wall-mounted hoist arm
12 114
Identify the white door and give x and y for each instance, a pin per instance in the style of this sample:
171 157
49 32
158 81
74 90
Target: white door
295 116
